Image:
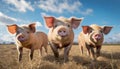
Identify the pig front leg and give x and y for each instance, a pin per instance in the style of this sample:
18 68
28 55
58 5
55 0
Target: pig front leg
88 50
55 50
81 49
66 52
98 48
92 53
20 51
31 53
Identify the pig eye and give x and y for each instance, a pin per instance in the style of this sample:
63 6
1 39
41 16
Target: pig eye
101 31
18 31
55 25
28 32
68 25
90 31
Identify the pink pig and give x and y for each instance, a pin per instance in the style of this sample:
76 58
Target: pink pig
61 33
27 37
92 37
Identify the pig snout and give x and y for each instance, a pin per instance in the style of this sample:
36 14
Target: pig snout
62 32
98 36
21 38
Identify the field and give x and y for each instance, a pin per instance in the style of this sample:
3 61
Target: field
109 59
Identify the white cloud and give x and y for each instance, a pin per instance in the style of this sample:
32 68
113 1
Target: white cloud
26 24
7 38
115 38
56 6
87 11
76 38
6 19
44 14
38 23
20 5
63 6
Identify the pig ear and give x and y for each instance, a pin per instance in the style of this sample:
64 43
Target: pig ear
85 29
12 28
49 21
106 29
32 27
75 22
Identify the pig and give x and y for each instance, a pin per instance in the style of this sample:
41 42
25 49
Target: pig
61 33
92 37
27 37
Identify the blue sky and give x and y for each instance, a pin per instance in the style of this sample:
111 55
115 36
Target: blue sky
101 12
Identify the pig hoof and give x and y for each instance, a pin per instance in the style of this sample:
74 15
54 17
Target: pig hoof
93 60
66 60
57 59
56 55
19 59
31 57
97 55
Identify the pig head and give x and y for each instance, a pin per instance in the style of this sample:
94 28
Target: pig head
23 33
95 33
61 33
92 37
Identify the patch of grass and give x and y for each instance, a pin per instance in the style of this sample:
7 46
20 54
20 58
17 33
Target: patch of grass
109 59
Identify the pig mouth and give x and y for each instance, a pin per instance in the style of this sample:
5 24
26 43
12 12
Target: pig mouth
58 37
97 41
62 36
22 39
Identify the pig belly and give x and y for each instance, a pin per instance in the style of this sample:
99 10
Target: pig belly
37 47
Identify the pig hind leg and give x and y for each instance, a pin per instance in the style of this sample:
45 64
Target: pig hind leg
40 52
45 47
20 51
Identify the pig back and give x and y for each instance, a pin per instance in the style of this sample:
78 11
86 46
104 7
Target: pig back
81 39
42 37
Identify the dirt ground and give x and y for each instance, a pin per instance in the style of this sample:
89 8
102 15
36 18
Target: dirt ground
109 59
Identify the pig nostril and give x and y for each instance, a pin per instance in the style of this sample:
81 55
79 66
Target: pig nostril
97 36
21 37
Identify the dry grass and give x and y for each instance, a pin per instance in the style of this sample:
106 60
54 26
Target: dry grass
110 59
